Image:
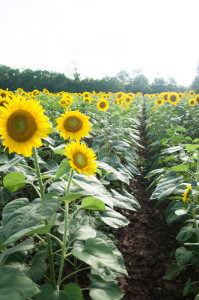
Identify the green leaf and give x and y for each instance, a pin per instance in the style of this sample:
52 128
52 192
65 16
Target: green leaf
73 291
124 201
170 212
38 265
48 292
113 218
101 289
91 186
16 285
191 147
71 197
26 245
26 232
111 170
14 181
185 233
180 168
64 167
5 195
92 203
21 214
97 253
173 271
173 149
10 164
183 256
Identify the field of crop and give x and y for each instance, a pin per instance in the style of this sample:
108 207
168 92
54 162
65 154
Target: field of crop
99 196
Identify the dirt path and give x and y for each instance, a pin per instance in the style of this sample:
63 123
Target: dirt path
146 244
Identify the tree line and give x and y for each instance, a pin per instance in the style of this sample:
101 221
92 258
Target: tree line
55 82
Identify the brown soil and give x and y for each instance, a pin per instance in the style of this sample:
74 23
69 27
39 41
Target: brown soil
146 245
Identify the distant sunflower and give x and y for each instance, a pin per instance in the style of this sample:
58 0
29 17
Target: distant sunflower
159 102
197 98
165 97
73 125
81 158
3 94
173 98
103 104
64 103
128 99
120 95
191 93
22 125
192 102
87 100
4 101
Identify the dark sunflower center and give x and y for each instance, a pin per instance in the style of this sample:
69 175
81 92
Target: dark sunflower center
63 102
159 101
102 104
21 126
197 99
173 98
80 160
192 102
73 124
3 95
2 103
166 97
128 100
119 95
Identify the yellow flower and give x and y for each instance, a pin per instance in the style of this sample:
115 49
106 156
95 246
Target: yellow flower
103 104
197 98
192 102
73 125
191 93
173 98
159 102
22 125
64 103
81 158
87 100
165 97
185 195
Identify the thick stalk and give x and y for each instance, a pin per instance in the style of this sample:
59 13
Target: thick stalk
48 238
38 172
65 232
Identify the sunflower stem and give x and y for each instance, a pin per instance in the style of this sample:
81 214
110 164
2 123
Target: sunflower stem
65 232
38 172
48 238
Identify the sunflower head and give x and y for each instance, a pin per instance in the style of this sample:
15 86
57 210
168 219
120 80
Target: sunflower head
192 102
22 125
197 98
159 102
173 98
165 97
103 104
81 158
73 125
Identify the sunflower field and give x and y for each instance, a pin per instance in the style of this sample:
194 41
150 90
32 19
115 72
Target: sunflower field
67 162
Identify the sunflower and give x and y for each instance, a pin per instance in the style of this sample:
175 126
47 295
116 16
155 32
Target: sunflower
103 104
64 103
197 98
87 100
165 97
120 95
159 102
173 98
191 93
192 102
73 125
81 158
4 101
22 125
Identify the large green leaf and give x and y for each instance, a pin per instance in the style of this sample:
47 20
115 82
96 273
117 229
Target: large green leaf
16 285
97 253
21 214
91 186
14 181
38 265
101 289
183 256
113 218
26 232
170 212
63 169
73 291
26 245
111 170
10 164
180 168
124 201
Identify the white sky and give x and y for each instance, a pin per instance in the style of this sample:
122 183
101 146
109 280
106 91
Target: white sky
161 37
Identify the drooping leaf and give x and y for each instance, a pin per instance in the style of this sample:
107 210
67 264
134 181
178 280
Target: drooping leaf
73 291
101 289
16 285
183 256
92 203
113 218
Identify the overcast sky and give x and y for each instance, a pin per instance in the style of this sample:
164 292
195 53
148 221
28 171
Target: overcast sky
102 37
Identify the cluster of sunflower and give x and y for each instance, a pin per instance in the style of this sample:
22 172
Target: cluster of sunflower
123 100
173 97
23 124
66 100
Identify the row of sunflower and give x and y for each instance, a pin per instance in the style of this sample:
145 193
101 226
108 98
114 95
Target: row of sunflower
172 133
58 198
